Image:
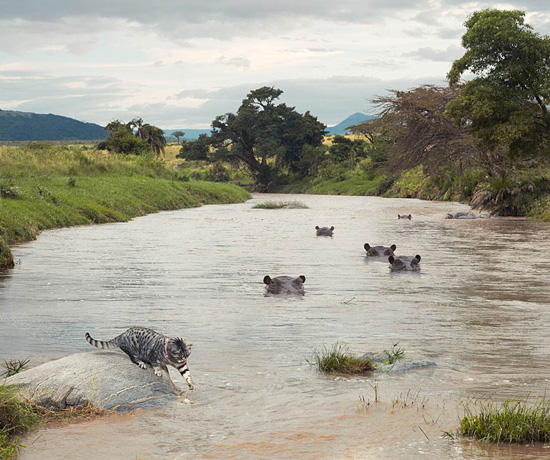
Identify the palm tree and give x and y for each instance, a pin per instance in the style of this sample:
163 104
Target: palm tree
154 137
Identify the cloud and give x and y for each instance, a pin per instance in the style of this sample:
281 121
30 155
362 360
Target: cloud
234 62
448 54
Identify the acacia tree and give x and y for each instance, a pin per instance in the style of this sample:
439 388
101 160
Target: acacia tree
415 130
178 134
265 136
505 105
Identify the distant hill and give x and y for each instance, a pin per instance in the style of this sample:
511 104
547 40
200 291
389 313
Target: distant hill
340 128
354 119
27 126
189 133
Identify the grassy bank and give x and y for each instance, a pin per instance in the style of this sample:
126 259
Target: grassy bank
44 187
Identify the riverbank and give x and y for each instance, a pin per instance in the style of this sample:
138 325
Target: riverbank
44 187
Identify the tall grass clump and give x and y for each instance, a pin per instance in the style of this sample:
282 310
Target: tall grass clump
280 205
16 417
338 360
511 421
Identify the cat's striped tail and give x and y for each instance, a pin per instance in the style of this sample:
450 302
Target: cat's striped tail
100 344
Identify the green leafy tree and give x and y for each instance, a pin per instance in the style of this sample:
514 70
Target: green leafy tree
265 136
134 137
505 105
195 150
178 134
346 150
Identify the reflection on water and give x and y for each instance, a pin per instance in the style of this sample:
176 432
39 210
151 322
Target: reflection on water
478 309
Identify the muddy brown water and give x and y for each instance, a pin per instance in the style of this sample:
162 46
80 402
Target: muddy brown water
479 309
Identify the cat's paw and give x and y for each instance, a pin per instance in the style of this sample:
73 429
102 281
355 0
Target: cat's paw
158 372
142 365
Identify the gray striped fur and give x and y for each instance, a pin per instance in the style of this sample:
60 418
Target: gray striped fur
147 347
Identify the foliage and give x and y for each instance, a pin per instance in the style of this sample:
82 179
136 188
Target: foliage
178 134
506 105
196 150
134 137
348 151
419 131
512 421
337 360
266 137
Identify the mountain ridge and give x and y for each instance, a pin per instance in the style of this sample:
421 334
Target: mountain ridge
30 126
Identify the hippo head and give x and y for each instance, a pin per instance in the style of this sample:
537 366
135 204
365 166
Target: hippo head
285 284
324 231
404 263
376 251
404 216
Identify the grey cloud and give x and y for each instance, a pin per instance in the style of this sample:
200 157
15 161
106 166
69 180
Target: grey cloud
430 18
234 62
441 55
193 18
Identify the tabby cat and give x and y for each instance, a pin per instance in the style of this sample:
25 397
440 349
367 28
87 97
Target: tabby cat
145 346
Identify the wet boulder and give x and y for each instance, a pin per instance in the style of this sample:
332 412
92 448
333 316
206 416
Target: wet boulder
285 285
104 379
404 263
378 251
324 231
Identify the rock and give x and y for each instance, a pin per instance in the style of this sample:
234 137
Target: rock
106 379
402 365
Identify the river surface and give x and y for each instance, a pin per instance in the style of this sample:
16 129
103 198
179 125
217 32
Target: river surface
479 310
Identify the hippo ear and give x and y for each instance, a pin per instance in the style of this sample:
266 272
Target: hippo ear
393 247
303 278
391 259
410 216
417 257
366 246
331 229
316 227
267 279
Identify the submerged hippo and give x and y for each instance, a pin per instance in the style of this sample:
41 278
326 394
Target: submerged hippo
285 284
324 231
376 251
404 263
404 216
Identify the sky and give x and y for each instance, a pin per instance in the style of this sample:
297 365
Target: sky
181 63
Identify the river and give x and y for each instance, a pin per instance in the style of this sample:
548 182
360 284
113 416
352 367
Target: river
478 309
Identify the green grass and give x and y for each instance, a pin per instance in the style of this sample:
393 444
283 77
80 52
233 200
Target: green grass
16 417
394 354
280 205
511 421
337 360
49 187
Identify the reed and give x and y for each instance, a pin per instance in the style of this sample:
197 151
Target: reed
338 360
511 421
